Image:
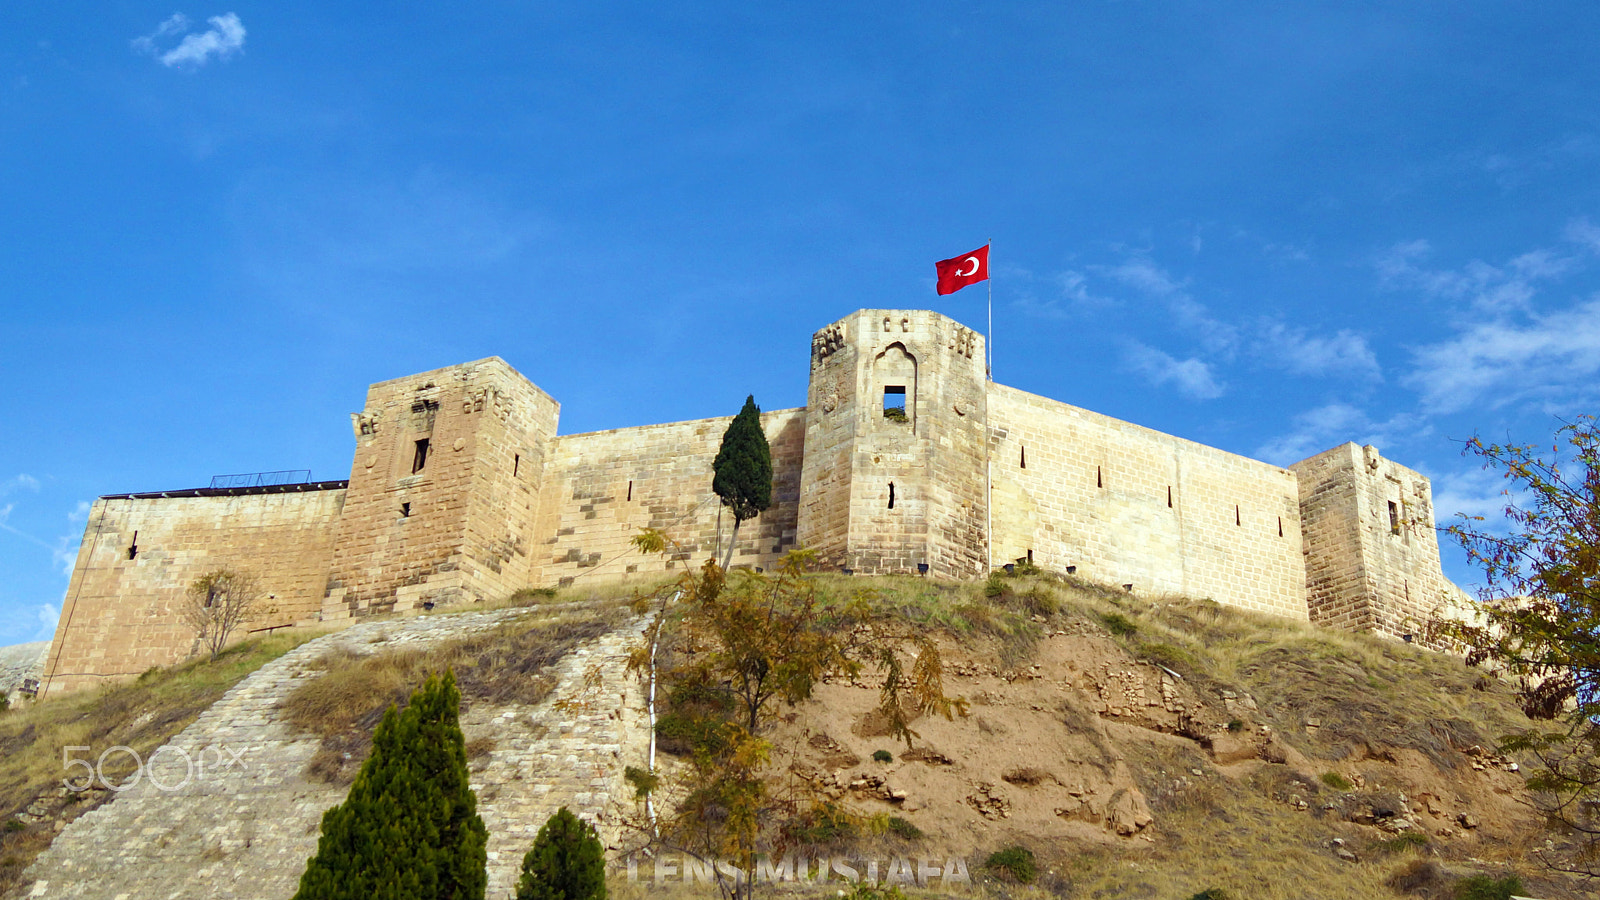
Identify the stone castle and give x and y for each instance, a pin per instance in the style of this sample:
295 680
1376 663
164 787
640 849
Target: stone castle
905 459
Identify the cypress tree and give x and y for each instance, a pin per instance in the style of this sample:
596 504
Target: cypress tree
742 471
409 830
567 862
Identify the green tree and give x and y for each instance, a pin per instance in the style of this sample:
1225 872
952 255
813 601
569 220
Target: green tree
567 862
742 641
742 471
1539 617
409 830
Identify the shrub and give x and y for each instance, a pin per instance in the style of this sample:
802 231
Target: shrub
567 862
1482 887
995 586
1118 624
409 827
1211 894
1406 840
1235 725
822 825
5 703
882 756
904 830
529 596
1013 864
1336 781
1421 877
13 825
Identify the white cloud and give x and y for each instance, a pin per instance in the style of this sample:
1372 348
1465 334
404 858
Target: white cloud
1493 290
46 616
1296 351
1191 377
178 24
23 481
1075 299
1473 492
1553 357
1315 430
1145 276
64 555
222 40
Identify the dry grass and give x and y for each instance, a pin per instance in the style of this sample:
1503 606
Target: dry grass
503 666
142 714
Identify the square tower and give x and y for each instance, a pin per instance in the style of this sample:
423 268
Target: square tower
893 469
444 490
1371 549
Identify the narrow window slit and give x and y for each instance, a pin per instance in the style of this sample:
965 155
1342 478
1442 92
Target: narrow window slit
630 491
1099 480
1280 526
1024 457
1236 519
891 495
1394 518
421 457
405 510
133 546
516 464
1169 496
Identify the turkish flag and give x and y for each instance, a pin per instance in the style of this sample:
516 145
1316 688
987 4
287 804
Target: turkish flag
960 271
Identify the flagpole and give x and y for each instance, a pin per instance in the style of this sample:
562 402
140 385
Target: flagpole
988 371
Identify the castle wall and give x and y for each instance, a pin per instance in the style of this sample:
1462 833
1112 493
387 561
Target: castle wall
885 494
1372 555
140 553
1076 488
461 491
444 490
602 487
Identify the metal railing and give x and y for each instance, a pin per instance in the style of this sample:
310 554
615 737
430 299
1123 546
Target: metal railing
262 479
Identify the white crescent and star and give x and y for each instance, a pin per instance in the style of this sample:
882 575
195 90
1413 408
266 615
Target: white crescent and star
975 267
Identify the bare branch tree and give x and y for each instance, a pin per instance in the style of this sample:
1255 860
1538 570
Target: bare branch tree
216 604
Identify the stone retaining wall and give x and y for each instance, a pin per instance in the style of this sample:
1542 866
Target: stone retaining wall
241 818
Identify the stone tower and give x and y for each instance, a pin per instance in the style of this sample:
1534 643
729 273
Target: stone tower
444 490
1372 555
896 418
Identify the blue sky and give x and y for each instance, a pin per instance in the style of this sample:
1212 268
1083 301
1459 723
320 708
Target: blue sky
1267 227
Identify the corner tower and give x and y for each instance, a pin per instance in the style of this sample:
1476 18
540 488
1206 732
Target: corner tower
893 471
1371 550
444 490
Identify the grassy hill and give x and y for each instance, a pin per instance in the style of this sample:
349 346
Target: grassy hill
1138 747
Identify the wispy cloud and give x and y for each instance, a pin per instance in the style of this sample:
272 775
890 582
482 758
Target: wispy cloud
1191 377
1315 430
19 482
1146 277
1073 300
222 40
1297 351
45 617
1492 290
1553 358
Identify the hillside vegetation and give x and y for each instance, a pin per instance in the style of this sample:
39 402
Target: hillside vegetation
1135 747
142 715
1161 747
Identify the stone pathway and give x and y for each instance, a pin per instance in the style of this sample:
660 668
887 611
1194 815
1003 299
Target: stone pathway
225 811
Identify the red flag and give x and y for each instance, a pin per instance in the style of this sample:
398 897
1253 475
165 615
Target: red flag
968 268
